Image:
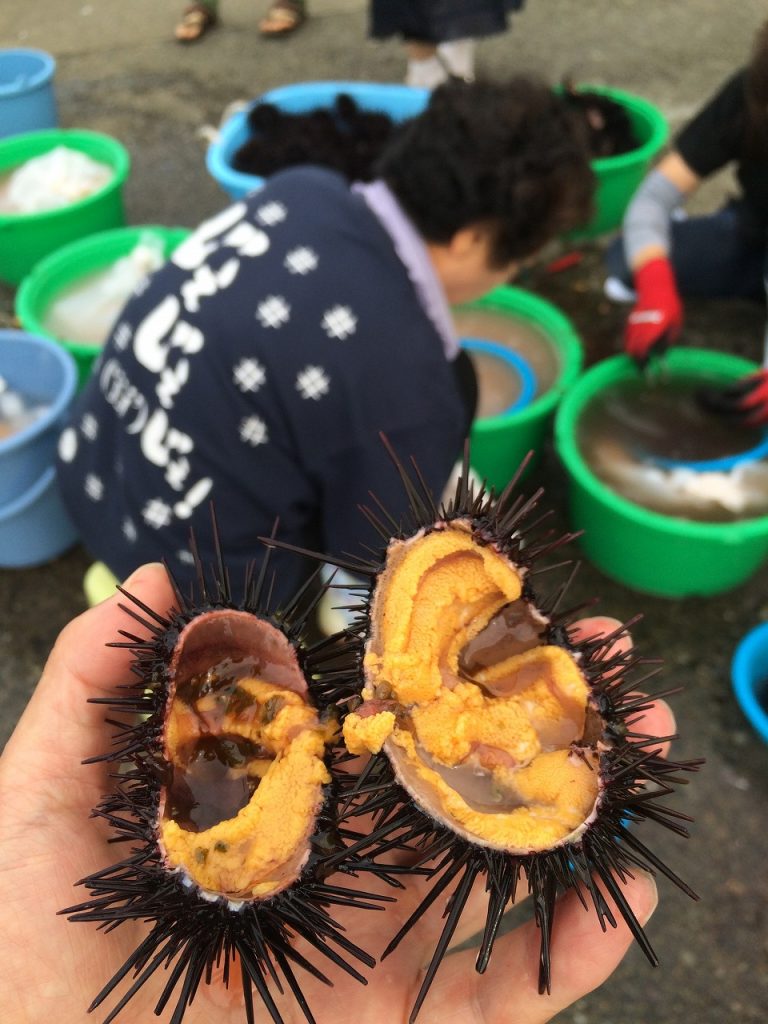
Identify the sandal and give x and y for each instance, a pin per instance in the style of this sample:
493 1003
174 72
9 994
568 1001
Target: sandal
196 20
283 17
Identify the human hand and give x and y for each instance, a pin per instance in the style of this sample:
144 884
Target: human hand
51 969
657 317
746 401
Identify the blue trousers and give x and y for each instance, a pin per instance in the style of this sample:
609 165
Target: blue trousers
721 255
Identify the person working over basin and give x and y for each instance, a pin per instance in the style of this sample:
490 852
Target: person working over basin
722 254
257 368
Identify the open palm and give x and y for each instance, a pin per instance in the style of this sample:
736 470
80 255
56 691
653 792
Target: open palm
50 969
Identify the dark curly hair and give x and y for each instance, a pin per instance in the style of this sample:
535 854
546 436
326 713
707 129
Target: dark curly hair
509 155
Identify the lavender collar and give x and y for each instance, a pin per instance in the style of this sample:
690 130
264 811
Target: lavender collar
412 251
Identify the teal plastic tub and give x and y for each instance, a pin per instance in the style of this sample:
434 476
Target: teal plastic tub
35 528
43 375
25 238
65 267
646 550
27 98
500 443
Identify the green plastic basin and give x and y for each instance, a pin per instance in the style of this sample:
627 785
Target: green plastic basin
71 263
500 443
646 550
619 176
25 238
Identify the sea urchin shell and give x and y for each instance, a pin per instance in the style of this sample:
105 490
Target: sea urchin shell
496 752
245 752
502 748
227 796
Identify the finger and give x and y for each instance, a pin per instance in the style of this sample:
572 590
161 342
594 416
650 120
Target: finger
654 718
654 727
655 350
59 728
583 956
758 418
602 626
723 401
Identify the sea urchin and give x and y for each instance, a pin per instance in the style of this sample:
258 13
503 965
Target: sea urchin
226 795
501 747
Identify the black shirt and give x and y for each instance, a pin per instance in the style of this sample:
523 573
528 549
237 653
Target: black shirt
717 136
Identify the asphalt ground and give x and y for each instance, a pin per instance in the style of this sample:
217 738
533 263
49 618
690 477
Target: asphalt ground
119 71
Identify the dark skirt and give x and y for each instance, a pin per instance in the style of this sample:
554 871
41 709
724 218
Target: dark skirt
437 21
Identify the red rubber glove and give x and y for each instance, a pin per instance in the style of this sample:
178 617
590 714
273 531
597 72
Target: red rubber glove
657 319
746 401
754 404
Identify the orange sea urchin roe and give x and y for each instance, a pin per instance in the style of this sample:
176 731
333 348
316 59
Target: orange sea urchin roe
247 774
486 748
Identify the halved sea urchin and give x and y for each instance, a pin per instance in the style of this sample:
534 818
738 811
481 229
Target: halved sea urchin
501 747
226 795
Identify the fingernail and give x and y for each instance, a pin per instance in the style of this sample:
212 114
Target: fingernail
670 712
653 897
138 573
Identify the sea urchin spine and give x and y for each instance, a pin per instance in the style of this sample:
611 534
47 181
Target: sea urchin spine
226 794
501 747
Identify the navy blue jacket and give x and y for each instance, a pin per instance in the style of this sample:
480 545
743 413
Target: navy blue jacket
256 369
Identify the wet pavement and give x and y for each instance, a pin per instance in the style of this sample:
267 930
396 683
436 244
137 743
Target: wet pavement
120 72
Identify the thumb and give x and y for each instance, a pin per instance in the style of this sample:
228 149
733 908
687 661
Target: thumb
583 957
59 728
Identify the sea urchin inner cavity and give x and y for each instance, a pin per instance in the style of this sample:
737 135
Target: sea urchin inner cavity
244 750
483 722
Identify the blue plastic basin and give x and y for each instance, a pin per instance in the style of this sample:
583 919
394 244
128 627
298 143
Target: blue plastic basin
42 371
722 465
749 675
35 528
519 366
27 101
398 101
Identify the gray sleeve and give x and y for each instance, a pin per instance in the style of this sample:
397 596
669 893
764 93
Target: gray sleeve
646 221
